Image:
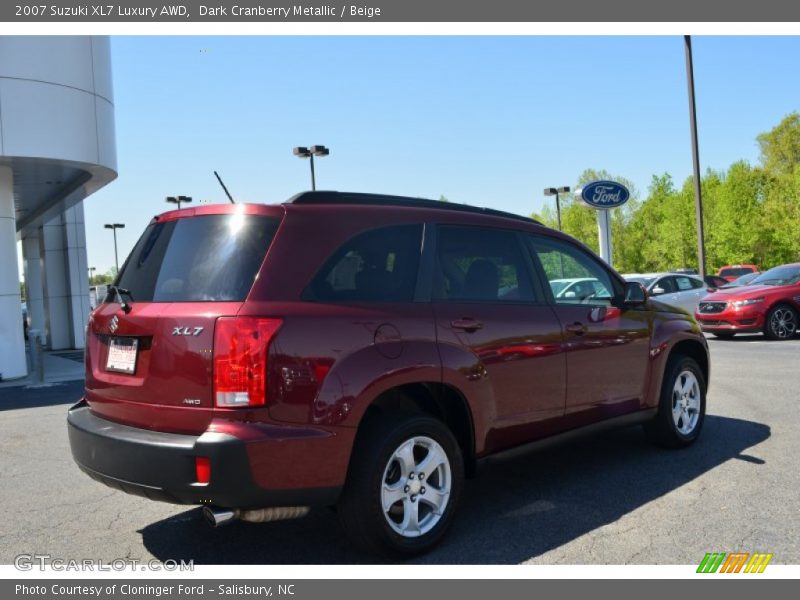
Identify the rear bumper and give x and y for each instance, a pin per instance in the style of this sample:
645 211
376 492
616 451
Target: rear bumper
161 466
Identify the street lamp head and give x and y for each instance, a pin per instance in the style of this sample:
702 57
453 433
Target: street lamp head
550 191
108 226
172 199
563 189
302 152
184 199
119 225
319 150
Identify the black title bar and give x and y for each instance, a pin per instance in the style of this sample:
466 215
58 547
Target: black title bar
392 11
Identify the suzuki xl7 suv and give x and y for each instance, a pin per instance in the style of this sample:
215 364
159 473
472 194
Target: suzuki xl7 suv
364 352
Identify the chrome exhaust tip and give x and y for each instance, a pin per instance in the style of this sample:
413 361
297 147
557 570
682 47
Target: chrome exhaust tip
217 517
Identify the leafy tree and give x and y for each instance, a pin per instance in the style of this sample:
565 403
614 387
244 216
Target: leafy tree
780 147
104 278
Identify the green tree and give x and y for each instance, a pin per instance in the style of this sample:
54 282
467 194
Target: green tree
779 238
104 278
780 147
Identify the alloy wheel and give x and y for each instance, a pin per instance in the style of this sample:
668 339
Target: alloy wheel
416 485
686 402
783 323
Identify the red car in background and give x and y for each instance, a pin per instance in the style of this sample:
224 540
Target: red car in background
731 272
769 304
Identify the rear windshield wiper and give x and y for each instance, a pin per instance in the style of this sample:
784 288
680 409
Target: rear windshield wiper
118 293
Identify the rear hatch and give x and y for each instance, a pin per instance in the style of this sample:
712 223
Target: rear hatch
149 349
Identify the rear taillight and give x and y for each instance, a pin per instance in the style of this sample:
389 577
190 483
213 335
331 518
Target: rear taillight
241 345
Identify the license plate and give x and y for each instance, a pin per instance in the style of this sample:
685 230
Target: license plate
122 354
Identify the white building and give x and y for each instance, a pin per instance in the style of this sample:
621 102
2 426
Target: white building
57 146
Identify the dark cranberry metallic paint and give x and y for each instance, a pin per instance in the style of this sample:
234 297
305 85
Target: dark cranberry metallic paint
529 372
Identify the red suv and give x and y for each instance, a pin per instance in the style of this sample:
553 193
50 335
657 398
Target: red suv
770 303
366 352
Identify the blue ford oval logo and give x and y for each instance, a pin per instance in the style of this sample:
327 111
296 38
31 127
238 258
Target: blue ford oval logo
605 194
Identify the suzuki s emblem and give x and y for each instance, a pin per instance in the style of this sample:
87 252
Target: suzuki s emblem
187 331
113 324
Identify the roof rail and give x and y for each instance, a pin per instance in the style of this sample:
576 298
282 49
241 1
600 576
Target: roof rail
385 200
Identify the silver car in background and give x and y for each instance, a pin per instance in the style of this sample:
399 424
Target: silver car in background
674 289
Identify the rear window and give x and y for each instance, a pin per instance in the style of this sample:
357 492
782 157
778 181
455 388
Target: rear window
735 271
209 258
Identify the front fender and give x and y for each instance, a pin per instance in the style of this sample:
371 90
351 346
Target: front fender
671 330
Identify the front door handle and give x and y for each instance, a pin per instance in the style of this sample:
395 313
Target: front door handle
466 324
577 328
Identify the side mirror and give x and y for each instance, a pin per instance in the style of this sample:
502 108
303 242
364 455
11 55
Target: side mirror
657 290
635 294
711 290
569 295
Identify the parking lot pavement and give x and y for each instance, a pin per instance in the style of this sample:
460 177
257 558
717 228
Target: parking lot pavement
610 499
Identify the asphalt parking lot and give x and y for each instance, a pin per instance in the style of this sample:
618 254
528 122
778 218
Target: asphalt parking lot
610 499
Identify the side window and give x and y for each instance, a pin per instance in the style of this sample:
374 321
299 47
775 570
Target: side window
480 265
684 284
696 283
667 284
574 276
379 265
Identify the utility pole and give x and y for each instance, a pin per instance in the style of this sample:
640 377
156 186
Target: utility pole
698 193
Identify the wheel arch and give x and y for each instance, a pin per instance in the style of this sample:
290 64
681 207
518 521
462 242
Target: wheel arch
781 301
439 400
695 350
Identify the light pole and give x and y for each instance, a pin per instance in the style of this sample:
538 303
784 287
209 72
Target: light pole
113 227
555 192
303 152
91 274
178 199
698 196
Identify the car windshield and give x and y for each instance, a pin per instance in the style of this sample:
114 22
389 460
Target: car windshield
778 276
744 279
645 281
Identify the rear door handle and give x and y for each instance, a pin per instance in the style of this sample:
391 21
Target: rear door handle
466 324
577 328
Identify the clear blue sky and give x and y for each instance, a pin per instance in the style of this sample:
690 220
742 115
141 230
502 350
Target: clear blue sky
488 121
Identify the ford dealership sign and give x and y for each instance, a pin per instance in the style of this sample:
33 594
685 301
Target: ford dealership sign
605 194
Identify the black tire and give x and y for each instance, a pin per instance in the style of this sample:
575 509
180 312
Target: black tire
781 322
360 508
664 430
723 336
